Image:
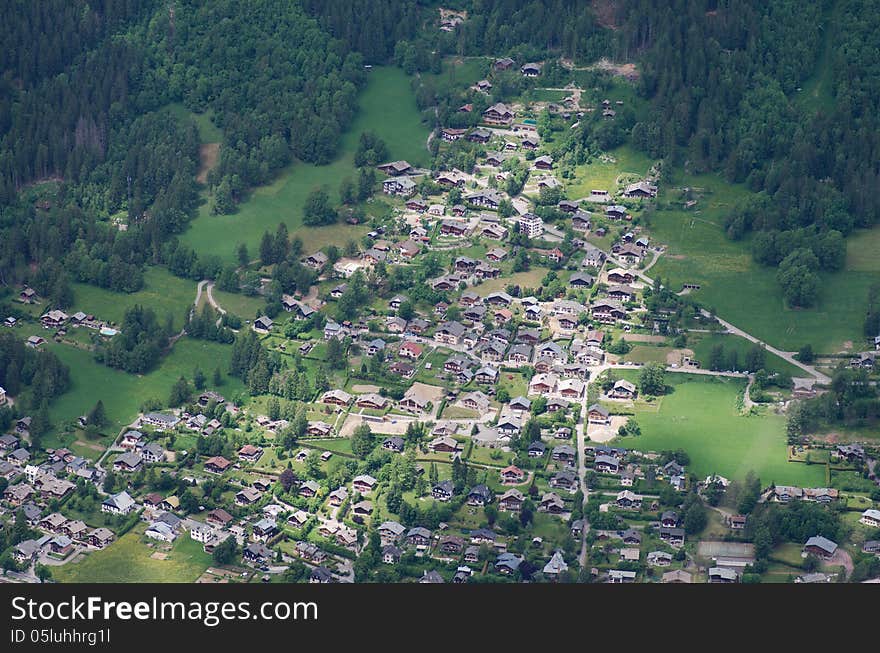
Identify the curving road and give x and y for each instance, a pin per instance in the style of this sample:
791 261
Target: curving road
731 329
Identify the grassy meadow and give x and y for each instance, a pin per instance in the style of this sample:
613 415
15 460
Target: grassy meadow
746 293
123 393
128 560
701 416
162 291
387 107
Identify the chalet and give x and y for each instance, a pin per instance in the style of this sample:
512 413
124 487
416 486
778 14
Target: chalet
871 517
669 519
443 490
615 212
503 64
217 465
480 495
571 388
128 462
319 428
451 545
152 453
552 503
453 228
672 536
362 509
399 186
118 504
416 204
542 384
606 464
564 480
621 293
483 86
444 444
488 198
450 134
620 276
508 563
316 261
512 475
257 553
160 421
395 444
544 162
250 453
621 576
479 136
308 489
640 189
496 254
531 69
498 114
511 500
487 375
623 389
659 559
247 496
54 319
415 400
476 401
449 333
395 168
597 414
418 537
785 493
736 522
821 494
563 453
218 518
364 483
336 398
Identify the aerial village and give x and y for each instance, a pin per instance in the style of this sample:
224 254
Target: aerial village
470 429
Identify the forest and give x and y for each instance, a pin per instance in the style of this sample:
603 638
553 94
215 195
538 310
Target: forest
85 87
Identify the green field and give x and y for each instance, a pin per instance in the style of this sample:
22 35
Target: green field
701 417
162 291
602 175
387 107
208 131
128 560
243 306
461 72
123 393
745 293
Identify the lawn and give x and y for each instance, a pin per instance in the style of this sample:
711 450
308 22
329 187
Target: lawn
387 107
701 417
243 306
162 291
745 293
128 560
602 175
530 279
123 393
461 72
